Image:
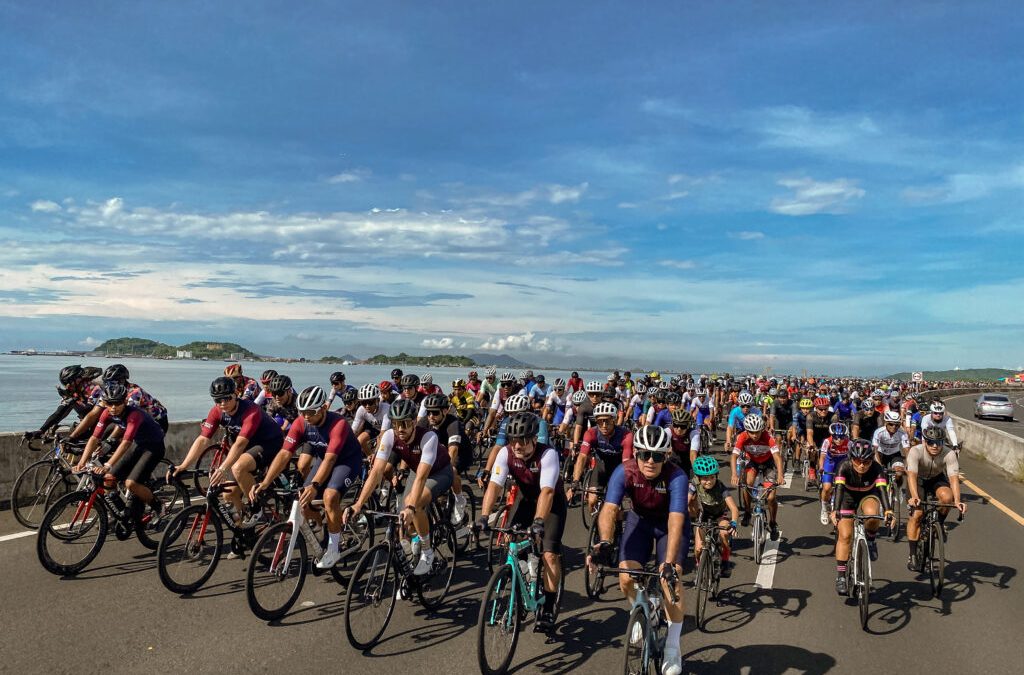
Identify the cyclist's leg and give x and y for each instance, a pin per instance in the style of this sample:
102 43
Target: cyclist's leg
140 473
634 551
769 475
554 527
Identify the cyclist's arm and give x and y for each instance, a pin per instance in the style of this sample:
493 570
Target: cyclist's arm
678 490
548 481
427 459
497 482
58 415
87 422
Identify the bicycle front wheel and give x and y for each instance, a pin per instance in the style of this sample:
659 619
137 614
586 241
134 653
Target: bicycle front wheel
356 538
936 559
72 533
639 659
703 581
587 487
36 489
174 496
863 571
498 623
757 537
371 597
274 578
433 586
190 549
894 504
592 583
495 540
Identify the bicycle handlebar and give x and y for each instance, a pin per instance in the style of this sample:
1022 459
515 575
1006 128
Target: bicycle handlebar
672 578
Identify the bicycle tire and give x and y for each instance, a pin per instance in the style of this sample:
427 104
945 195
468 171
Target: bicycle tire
863 573
638 658
356 538
35 489
175 496
368 590
433 588
586 485
894 504
203 468
703 582
273 584
60 537
498 623
592 584
936 559
757 537
200 551
495 539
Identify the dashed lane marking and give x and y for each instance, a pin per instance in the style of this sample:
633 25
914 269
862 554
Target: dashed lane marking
766 570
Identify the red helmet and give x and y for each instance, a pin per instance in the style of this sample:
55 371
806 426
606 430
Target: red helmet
233 370
821 401
385 385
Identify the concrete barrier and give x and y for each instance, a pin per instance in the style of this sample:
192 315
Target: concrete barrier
993 445
14 458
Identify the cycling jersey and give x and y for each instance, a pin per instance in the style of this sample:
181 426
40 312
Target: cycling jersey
867 423
890 444
653 498
927 467
818 425
333 436
758 449
138 427
712 501
852 487
736 418
337 394
283 412
249 388
248 420
782 411
422 448
845 411
464 404
531 475
538 393
660 418
618 447
138 398
946 423
502 438
556 404
701 409
373 423
836 449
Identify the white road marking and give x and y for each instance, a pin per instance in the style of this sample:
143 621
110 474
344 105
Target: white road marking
308 603
766 570
788 482
17 535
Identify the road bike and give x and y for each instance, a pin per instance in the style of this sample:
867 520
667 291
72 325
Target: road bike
706 439
593 582
386 571
759 515
709 568
513 591
858 570
588 486
895 499
74 528
931 547
45 480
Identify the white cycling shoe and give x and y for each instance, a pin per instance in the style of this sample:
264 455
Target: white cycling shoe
458 512
824 514
673 663
637 634
329 560
426 562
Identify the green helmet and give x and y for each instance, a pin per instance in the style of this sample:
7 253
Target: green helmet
705 465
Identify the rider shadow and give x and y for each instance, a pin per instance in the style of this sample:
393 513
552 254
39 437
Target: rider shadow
216 590
963 577
796 547
764 659
798 500
578 639
896 599
314 614
457 616
739 606
140 563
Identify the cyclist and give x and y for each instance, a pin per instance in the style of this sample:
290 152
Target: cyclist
282 405
465 407
710 498
487 388
860 488
781 415
575 383
635 407
248 389
140 449
541 500
554 406
685 440
610 444
338 387
388 393
845 409
585 412
254 436
452 437
332 462
538 393
891 444
396 380
137 396
658 490
937 417
702 408
817 423
410 389
371 417
932 469
800 430
833 451
737 415
265 397
77 393
431 473
516 403
761 463
869 419
497 408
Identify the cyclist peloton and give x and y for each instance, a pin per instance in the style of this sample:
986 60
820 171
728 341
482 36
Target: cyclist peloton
610 444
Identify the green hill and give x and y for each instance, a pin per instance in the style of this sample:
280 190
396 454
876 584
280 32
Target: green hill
132 346
967 374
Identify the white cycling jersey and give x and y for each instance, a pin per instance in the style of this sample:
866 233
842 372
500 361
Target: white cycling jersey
890 444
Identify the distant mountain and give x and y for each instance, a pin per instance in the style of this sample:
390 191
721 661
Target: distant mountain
499 360
132 346
435 361
340 359
968 374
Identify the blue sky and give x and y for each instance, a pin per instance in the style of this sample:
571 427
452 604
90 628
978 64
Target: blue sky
831 186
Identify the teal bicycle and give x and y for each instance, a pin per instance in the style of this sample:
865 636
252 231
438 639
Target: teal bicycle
515 589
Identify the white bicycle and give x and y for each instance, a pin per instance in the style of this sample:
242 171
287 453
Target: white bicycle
859 570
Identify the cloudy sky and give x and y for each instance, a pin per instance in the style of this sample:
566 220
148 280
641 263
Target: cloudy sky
835 186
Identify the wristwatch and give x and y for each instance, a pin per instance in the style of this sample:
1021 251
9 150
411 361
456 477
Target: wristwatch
316 485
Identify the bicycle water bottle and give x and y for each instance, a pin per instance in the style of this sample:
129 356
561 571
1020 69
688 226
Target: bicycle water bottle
416 545
532 565
524 569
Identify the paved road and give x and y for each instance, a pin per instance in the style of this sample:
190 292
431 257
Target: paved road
963 406
116 617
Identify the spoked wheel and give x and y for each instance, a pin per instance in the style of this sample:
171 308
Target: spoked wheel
356 538
863 582
498 624
72 532
36 489
495 540
587 487
203 468
433 586
639 660
593 583
704 581
894 504
190 549
148 527
463 531
274 577
371 597
936 562
757 538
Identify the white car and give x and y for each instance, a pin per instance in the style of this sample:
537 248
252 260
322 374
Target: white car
993 405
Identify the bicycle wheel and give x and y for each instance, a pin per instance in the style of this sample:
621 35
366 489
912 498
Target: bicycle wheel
495 550
498 623
72 533
203 468
894 504
863 571
638 660
432 587
175 497
757 537
704 583
371 597
463 531
593 583
36 489
356 538
587 486
274 578
936 559
190 549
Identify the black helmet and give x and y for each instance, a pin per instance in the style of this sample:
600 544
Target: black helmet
337 377
115 392
860 448
524 424
279 384
396 373
402 409
410 380
435 402
69 374
222 386
673 397
115 373
267 376
934 435
349 396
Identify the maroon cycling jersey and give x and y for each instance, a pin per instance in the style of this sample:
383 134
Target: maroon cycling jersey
620 444
332 437
138 427
532 475
422 448
655 498
248 420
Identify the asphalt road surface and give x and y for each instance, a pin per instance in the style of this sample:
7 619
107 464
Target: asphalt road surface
783 617
963 406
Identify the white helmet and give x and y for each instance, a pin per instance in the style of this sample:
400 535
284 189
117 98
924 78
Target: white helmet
892 417
639 388
937 407
701 392
745 398
311 398
594 387
508 377
369 392
753 423
517 403
559 383
490 371
427 378
605 410
652 437
578 397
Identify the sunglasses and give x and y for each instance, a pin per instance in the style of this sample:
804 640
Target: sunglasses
519 440
435 413
402 424
683 427
409 387
858 460
651 456
222 399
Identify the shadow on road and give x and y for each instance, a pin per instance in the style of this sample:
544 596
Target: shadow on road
737 606
767 659
140 563
577 639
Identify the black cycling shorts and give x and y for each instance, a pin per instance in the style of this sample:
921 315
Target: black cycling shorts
554 524
928 487
262 457
138 464
851 501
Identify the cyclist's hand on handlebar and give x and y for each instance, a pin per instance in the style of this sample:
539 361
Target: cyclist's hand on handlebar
604 553
307 495
254 492
913 502
961 507
537 529
833 517
735 480
482 524
350 512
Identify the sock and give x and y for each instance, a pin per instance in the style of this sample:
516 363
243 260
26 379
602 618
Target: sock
673 636
726 551
841 567
550 597
333 541
425 543
870 536
913 548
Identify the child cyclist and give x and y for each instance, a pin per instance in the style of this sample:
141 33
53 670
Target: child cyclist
711 499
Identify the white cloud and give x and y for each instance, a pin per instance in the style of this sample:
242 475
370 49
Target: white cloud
45 206
746 235
438 343
565 193
798 127
90 342
462 345
678 264
675 194
112 207
676 178
662 226
350 176
524 342
811 196
552 193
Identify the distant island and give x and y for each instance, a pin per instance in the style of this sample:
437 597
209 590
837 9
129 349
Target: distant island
132 346
448 360
966 375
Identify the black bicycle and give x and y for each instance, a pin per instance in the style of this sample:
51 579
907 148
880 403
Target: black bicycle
44 481
709 568
931 547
